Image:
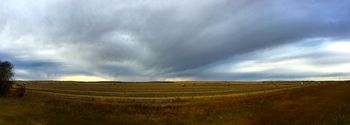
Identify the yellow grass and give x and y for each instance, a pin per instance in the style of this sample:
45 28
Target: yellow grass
76 103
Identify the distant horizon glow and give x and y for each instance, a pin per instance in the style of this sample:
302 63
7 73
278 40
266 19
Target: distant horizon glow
81 78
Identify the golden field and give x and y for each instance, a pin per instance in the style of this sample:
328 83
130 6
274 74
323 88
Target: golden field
178 103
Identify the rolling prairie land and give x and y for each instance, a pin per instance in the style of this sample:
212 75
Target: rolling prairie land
178 103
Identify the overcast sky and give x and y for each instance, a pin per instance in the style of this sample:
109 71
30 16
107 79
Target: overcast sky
143 40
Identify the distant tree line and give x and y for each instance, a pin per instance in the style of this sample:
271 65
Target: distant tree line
6 77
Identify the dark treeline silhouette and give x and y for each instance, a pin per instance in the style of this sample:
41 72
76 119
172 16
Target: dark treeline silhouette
6 77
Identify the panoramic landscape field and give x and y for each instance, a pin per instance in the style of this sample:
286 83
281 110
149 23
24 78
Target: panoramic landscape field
174 62
178 103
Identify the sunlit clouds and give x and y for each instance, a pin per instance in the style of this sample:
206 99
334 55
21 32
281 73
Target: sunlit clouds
321 61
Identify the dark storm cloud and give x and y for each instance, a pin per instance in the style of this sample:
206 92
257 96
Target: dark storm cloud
162 38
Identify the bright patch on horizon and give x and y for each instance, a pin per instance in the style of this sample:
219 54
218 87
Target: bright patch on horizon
179 79
84 78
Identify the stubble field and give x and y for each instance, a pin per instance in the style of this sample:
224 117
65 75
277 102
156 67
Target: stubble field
79 103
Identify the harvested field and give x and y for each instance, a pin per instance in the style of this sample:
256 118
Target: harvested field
56 103
151 92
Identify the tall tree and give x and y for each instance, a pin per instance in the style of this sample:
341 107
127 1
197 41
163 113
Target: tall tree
6 77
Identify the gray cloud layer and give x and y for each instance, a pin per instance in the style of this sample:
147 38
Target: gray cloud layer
150 39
